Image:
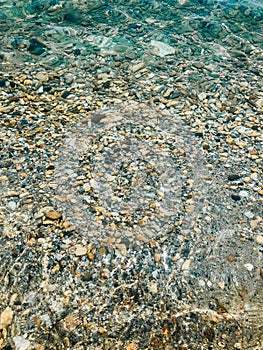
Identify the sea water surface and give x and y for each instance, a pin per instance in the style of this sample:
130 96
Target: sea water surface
57 32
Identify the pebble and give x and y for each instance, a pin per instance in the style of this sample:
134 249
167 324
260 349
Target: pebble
186 264
168 92
235 197
21 343
162 49
253 223
214 319
259 239
53 215
157 257
80 251
153 287
201 283
6 317
231 258
248 214
259 103
69 78
131 346
91 256
135 68
234 177
42 76
202 96
249 267
11 205
243 193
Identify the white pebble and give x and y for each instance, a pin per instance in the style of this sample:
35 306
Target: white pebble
201 96
243 193
201 283
249 267
11 205
259 239
21 343
248 214
152 287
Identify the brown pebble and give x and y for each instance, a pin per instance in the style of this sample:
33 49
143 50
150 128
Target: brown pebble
131 346
242 294
152 243
12 194
6 317
157 257
71 322
117 64
53 215
261 273
231 258
91 256
102 330
214 319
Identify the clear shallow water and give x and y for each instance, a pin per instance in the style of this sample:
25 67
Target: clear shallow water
55 32
176 41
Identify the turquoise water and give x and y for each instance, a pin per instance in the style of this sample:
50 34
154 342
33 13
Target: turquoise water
56 32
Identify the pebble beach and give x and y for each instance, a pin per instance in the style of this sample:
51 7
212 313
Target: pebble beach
131 175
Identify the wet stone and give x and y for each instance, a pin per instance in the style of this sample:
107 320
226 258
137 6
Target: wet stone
235 197
234 177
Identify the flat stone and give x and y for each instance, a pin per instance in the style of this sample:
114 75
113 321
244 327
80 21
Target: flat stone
42 76
249 267
80 251
137 67
253 223
12 194
162 49
249 214
53 215
234 177
243 193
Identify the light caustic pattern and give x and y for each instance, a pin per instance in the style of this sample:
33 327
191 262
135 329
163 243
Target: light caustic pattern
131 174
122 174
